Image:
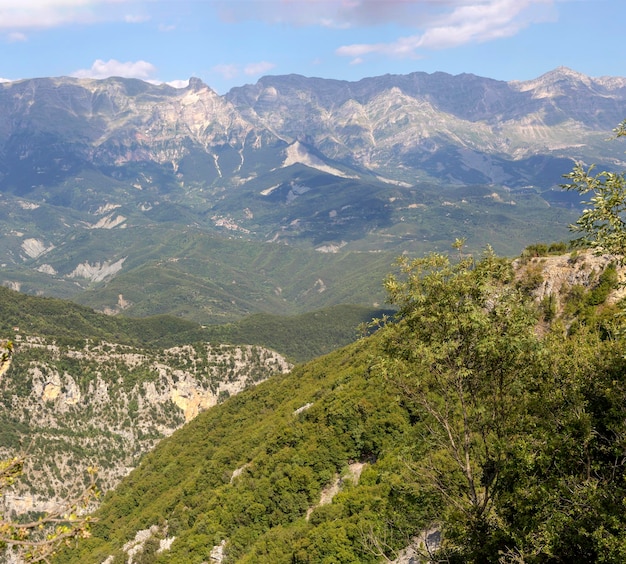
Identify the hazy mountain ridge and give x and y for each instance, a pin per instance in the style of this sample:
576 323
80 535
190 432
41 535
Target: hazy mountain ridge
119 121
96 173
494 107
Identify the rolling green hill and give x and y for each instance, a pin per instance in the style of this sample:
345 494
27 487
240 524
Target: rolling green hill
301 337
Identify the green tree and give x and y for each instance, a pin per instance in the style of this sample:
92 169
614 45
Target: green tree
461 351
602 225
523 435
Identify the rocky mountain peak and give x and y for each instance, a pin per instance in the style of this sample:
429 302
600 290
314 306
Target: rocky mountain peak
196 84
560 81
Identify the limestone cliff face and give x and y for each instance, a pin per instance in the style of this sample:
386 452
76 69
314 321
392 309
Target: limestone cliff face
105 405
555 276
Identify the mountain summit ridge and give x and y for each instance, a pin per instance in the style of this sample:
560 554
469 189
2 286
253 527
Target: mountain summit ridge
371 122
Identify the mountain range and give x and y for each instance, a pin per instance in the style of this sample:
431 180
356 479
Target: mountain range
257 200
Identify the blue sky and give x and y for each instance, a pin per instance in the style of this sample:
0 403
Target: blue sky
228 43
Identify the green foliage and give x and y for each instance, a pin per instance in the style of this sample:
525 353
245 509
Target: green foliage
300 337
564 481
284 457
536 250
588 306
461 351
70 324
191 274
521 433
602 225
460 416
543 249
531 279
607 281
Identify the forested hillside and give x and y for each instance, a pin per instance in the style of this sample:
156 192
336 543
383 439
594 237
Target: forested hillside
80 389
478 424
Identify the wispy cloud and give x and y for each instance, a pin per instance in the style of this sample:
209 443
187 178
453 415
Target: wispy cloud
330 13
462 22
33 14
251 69
227 71
136 18
255 69
438 24
16 37
104 69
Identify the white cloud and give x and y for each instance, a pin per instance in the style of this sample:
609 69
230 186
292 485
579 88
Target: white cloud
104 69
29 14
227 71
438 24
463 22
178 83
484 21
16 37
258 68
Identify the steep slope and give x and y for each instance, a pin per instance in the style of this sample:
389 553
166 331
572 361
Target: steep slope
274 447
335 460
76 402
85 389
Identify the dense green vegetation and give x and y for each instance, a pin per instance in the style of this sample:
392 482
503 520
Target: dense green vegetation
523 432
286 457
465 420
300 337
59 320
602 224
216 279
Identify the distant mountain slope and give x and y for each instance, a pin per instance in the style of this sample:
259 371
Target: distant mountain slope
96 175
